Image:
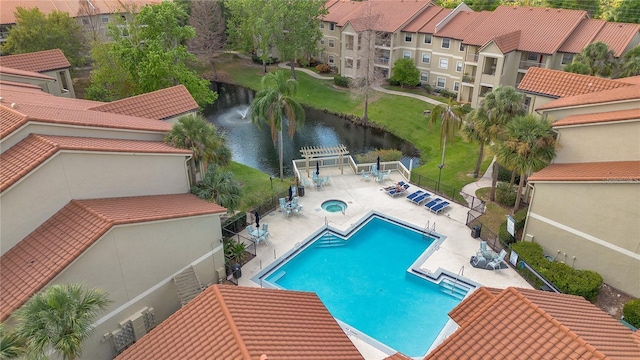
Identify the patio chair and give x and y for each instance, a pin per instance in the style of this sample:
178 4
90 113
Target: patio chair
384 175
496 263
325 180
439 207
414 195
264 234
295 207
283 206
365 175
420 199
252 232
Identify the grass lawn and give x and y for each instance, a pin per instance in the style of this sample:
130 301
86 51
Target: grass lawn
495 214
399 115
255 186
417 91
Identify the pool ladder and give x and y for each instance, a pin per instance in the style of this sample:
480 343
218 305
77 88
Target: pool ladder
428 230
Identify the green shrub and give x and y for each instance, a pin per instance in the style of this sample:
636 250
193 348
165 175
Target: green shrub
323 68
385 155
271 60
504 175
583 283
506 194
520 217
427 87
631 312
504 235
394 82
341 81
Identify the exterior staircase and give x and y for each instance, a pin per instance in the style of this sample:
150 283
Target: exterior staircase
188 285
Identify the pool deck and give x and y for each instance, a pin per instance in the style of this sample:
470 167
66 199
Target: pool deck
362 197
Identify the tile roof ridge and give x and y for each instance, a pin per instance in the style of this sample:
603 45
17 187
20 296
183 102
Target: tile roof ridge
90 210
232 325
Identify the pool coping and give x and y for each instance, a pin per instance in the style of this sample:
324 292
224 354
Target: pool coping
436 277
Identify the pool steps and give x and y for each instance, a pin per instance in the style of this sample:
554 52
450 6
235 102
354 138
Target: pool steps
278 276
329 240
449 287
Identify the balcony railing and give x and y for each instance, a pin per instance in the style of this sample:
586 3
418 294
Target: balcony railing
525 64
382 60
383 43
472 57
468 79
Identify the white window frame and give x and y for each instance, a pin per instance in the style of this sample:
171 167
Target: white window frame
427 38
428 55
448 43
458 66
332 43
321 25
331 60
406 54
408 37
424 77
322 41
444 82
105 19
456 86
444 61
563 58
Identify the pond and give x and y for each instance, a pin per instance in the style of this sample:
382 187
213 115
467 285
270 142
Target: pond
254 147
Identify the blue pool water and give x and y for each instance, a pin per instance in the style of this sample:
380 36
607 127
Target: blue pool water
364 282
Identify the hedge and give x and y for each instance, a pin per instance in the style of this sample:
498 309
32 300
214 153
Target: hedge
631 312
506 194
341 81
585 283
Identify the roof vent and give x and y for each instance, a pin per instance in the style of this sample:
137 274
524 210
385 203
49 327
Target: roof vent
14 105
1 99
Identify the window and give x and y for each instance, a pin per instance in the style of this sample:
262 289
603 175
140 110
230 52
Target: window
349 42
461 48
348 63
446 43
321 25
444 63
64 86
332 26
567 59
532 57
406 54
85 21
456 86
332 43
427 38
331 60
408 37
441 82
459 66
105 19
424 77
358 64
322 41
527 102
426 58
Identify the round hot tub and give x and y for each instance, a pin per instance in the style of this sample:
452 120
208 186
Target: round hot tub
334 206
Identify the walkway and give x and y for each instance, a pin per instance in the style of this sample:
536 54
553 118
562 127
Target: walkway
483 182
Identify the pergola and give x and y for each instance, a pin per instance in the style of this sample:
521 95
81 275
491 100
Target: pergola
312 152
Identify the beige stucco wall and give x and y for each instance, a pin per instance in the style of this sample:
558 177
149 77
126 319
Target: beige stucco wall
47 86
63 78
80 131
599 142
560 113
537 101
135 264
597 223
73 175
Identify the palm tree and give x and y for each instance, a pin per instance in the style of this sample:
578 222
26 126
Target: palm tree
274 103
195 133
500 106
474 129
449 115
59 319
529 145
218 186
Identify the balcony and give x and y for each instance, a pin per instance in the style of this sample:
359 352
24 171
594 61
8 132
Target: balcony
468 79
471 58
525 64
383 43
381 60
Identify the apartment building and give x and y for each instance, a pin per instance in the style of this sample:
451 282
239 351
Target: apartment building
469 53
91 194
584 206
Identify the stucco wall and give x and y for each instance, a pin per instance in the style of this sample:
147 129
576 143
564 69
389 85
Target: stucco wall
599 142
557 114
70 175
135 264
597 223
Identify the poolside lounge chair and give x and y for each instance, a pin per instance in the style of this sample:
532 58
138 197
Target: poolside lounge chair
398 190
497 262
413 195
439 206
420 199
365 175
432 203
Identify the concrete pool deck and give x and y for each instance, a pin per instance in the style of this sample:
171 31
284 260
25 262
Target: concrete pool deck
361 198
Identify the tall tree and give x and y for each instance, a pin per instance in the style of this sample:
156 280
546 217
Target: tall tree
449 117
627 11
59 319
193 132
596 59
208 21
474 129
405 72
35 31
528 146
275 103
249 27
630 65
590 6
150 50
218 186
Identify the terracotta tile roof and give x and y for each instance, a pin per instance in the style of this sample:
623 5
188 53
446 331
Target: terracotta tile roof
543 30
594 171
594 118
428 24
473 303
617 36
235 322
72 7
159 105
532 324
341 11
625 93
557 84
19 84
32 151
39 61
508 42
582 36
397 356
390 15
463 24
635 80
37 259
17 72
35 96
424 17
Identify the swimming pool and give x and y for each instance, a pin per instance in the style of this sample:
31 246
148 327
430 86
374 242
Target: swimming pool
362 279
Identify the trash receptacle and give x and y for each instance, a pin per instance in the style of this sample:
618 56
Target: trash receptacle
475 231
236 270
301 191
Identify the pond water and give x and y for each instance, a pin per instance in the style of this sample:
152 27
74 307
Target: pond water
254 147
